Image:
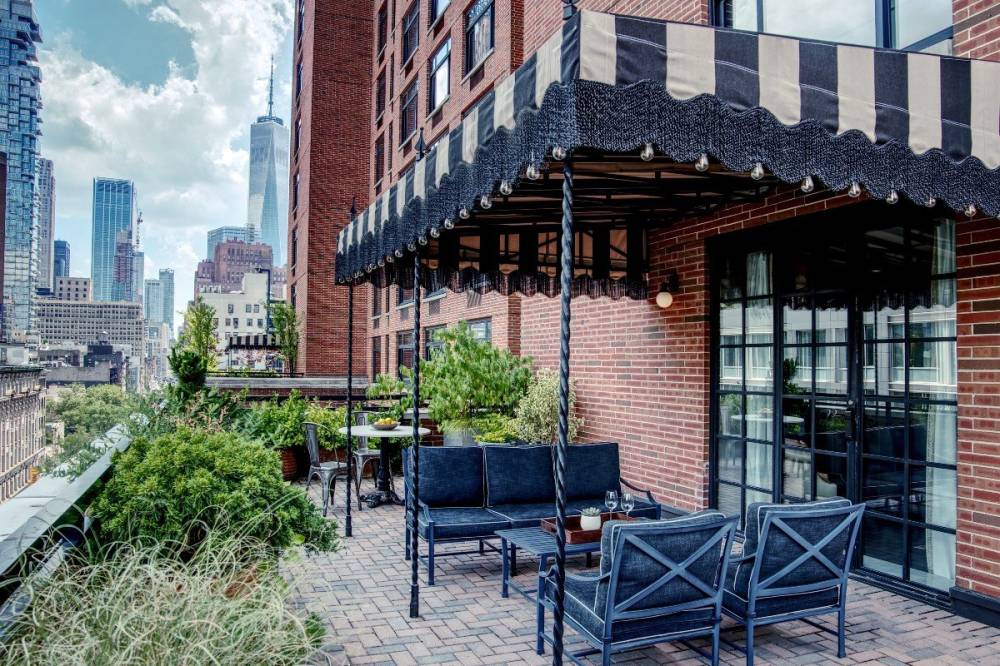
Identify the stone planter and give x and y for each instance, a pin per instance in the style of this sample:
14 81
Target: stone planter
464 437
590 522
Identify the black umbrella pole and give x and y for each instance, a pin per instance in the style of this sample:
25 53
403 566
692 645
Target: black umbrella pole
566 292
415 450
348 530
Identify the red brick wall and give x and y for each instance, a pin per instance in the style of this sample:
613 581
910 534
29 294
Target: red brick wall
977 29
504 313
642 373
331 160
544 18
978 561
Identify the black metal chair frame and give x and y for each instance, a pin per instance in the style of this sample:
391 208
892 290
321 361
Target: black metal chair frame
616 612
770 587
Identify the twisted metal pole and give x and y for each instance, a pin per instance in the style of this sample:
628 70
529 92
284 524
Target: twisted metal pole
566 293
415 449
348 530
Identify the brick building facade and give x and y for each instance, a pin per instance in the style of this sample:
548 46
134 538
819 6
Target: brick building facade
645 374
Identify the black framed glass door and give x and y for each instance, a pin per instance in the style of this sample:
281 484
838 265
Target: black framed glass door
834 374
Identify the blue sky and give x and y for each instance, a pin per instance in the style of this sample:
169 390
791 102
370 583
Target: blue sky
161 92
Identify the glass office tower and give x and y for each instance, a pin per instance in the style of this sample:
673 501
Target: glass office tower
267 206
60 264
113 223
20 100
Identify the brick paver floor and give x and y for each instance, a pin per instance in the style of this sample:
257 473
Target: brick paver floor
362 592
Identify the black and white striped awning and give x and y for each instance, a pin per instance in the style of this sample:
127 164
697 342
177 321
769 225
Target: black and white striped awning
919 125
259 341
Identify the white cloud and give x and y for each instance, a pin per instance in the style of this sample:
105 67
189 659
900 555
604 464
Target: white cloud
183 142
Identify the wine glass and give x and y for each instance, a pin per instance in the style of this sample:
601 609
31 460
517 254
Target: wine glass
628 502
611 500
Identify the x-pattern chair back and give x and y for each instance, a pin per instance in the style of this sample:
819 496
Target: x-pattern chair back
779 524
627 541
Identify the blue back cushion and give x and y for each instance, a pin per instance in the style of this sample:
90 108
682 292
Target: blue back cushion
592 470
519 474
450 475
757 511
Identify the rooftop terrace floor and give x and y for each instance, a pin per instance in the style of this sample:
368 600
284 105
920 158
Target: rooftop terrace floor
362 592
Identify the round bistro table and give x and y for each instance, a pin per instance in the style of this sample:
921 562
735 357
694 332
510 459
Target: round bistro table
384 494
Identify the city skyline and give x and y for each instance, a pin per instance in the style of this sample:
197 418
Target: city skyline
105 71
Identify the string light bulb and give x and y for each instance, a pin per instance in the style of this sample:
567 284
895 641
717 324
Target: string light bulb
435 232
558 153
808 185
463 213
892 198
970 211
702 163
449 223
532 173
931 202
505 188
757 172
647 153
854 191
485 202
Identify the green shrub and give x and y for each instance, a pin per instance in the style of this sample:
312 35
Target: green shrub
495 428
140 605
330 421
173 487
93 410
467 375
537 416
277 423
190 368
385 386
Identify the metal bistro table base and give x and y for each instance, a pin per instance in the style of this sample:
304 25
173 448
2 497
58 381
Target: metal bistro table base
384 494
542 545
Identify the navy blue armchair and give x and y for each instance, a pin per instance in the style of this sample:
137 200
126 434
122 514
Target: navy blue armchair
794 566
659 581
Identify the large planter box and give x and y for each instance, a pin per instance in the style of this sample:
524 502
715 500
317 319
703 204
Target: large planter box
289 464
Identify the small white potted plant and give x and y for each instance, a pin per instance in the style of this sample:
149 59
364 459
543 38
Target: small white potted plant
590 518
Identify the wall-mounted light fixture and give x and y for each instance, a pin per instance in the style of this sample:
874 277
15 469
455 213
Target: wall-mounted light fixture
670 286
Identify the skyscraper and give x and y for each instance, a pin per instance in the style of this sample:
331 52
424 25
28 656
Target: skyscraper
20 100
267 206
60 261
167 296
216 236
153 302
111 263
46 221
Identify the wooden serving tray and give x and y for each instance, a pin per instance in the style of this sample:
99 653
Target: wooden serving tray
575 535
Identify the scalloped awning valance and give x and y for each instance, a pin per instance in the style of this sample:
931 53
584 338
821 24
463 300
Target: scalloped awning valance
920 125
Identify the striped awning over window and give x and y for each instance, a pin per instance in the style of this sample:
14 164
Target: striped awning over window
918 125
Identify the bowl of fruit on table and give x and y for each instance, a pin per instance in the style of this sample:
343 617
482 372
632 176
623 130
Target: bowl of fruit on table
385 424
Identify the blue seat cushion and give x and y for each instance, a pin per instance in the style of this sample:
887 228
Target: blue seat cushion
736 601
459 523
592 470
581 605
525 515
450 476
519 474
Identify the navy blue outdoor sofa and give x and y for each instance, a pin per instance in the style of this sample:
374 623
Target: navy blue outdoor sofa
795 562
468 493
659 581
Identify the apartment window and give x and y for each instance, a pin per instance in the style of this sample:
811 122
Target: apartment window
298 135
439 76
388 159
391 73
256 308
408 113
478 34
260 323
229 322
437 9
231 308
236 323
404 351
380 95
302 16
292 297
295 192
295 246
411 31
383 29
482 329
376 357
404 296
215 323
376 301
914 25
432 340
379 158
298 80
249 322
249 308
